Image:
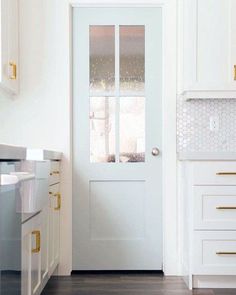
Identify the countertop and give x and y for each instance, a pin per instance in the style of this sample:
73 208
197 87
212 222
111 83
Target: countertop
206 156
42 155
10 152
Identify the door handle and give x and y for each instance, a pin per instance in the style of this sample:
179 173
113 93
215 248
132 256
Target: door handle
14 70
58 195
38 241
155 151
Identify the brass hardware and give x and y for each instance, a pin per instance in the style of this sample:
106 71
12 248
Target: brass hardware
14 71
58 195
226 207
234 72
54 172
225 253
226 173
38 241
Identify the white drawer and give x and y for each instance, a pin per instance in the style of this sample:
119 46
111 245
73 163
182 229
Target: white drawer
214 207
54 173
214 173
214 253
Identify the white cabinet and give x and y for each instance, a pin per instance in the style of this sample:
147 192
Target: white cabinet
9 48
213 253
209 48
34 254
209 223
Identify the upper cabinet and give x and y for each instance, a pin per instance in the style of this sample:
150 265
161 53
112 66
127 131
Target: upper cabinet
9 48
209 49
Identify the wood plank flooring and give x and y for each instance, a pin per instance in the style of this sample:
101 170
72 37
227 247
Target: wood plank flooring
117 284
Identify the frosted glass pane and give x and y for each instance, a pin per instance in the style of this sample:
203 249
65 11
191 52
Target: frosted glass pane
102 58
132 129
132 59
102 129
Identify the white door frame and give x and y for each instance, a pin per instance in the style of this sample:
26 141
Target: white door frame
171 257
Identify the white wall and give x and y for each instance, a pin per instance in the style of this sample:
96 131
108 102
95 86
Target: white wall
40 115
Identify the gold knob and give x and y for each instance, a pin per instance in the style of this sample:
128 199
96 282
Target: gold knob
14 70
38 241
234 72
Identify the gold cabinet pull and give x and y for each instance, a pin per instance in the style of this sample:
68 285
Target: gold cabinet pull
58 195
38 241
234 72
225 253
14 70
226 207
54 173
225 173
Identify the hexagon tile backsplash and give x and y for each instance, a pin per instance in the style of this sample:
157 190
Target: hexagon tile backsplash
193 125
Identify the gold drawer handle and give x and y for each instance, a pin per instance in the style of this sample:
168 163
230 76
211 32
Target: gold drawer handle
58 195
226 173
226 207
234 72
38 241
54 172
14 70
225 253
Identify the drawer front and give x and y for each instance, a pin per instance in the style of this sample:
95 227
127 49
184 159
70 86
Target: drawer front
214 253
214 173
54 173
215 207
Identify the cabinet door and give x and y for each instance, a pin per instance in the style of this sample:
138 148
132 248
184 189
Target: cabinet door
9 45
45 246
54 227
36 254
32 255
210 48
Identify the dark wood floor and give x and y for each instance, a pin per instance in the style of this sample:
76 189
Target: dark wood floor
116 284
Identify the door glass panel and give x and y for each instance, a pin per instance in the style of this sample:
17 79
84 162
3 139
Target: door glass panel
102 58
102 129
132 60
132 129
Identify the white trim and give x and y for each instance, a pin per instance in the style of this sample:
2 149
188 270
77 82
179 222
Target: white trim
171 264
84 3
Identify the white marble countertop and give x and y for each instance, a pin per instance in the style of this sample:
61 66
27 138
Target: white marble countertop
10 152
207 156
42 155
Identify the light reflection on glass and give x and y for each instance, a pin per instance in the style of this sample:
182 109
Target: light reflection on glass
132 129
102 129
102 58
132 60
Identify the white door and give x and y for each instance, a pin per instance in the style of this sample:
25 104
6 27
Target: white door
117 181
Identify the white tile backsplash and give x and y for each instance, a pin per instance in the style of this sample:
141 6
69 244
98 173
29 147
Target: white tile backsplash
193 125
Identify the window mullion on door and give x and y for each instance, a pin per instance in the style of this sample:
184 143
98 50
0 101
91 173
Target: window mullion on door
117 90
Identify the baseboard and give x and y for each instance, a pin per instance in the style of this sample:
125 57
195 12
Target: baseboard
118 272
214 281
